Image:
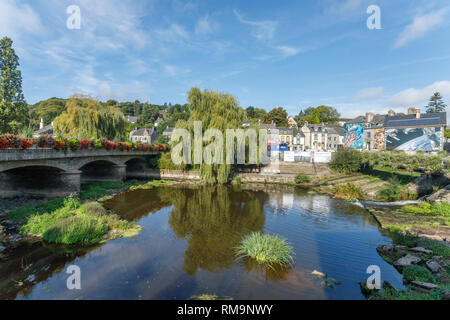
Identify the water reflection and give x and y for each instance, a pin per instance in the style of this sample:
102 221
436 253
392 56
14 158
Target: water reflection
187 247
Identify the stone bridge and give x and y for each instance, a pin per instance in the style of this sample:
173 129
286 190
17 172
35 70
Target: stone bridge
53 173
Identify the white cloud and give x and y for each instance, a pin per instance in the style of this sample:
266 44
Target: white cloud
415 97
370 93
289 51
17 18
170 70
204 26
420 26
175 33
261 30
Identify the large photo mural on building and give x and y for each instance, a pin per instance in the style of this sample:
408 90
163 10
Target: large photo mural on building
354 135
414 139
378 139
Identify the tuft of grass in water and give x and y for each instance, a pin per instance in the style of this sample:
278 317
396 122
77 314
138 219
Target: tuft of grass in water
76 223
418 273
348 191
268 250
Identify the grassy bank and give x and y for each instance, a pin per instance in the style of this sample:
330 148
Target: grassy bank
424 218
76 220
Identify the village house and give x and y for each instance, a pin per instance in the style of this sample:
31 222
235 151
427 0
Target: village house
44 130
144 135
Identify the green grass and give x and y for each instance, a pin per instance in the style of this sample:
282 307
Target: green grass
404 239
394 191
302 178
425 208
76 223
69 221
270 251
394 294
98 190
150 185
439 249
417 273
348 191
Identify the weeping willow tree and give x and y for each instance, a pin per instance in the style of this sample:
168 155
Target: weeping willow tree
87 118
215 110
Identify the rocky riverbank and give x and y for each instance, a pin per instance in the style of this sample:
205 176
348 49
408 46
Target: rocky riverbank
424 264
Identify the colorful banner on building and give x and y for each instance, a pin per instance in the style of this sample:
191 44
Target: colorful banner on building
414 139
354 133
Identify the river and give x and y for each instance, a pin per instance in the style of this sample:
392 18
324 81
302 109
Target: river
187 248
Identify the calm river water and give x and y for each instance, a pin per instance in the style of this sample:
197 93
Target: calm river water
186 248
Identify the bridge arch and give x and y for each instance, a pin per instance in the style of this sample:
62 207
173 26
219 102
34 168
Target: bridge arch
104 170
38 180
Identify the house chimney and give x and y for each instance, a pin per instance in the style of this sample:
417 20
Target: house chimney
391 113
41 124
412 110
417 113
369 116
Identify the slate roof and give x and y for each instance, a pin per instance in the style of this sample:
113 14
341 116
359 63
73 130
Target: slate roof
45 130
410 120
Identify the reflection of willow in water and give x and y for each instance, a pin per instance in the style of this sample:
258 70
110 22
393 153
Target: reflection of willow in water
31 264
214 220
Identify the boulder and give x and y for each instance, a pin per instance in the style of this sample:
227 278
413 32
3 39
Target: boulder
425 285
385 249
319 274
421 250
434 267
406 261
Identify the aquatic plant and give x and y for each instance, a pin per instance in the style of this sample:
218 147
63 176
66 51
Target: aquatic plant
269 250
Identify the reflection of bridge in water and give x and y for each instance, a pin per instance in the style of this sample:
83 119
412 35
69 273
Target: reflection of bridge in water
52 173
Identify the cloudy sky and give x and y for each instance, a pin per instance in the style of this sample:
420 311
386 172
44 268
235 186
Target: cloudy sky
293 54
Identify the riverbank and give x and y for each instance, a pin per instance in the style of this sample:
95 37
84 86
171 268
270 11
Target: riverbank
424 264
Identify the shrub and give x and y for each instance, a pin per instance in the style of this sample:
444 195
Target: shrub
346 161
270 251
301 178
348 191
394 191
418 273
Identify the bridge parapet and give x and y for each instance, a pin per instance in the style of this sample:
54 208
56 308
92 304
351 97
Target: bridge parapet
42 153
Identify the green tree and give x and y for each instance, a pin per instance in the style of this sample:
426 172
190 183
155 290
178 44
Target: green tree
49 109
278 116
436 103
255 113
320 114
85 117
13 108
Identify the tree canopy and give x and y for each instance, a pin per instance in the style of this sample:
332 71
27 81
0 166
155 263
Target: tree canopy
278 116
320 114
436 103
13 108
255 113
85 117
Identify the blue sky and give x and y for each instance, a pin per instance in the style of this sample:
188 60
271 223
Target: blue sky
293 54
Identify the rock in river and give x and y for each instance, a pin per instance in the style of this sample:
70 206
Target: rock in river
434 267
421 250
406 261
424 285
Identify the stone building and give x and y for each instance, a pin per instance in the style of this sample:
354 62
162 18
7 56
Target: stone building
144 135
